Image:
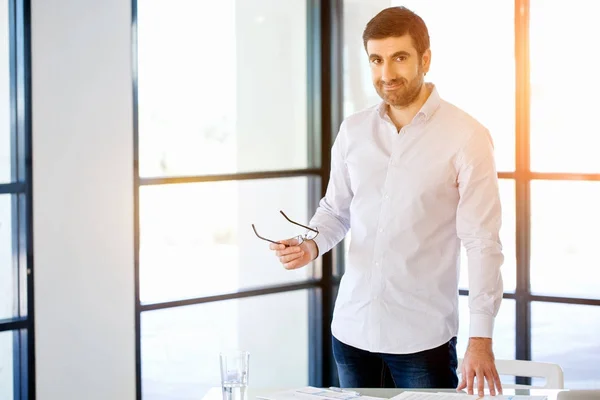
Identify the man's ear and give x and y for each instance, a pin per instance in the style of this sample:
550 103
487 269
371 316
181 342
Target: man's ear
426 60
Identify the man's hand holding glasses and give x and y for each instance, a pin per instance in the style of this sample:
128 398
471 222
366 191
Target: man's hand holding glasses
295 252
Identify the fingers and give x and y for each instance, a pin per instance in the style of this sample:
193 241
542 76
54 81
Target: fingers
288 250
480 375
275 246
480 382
497 381
489 376
297 263
290 254
283 244
291 257
493 381
290 242
463 380
470 377
468 381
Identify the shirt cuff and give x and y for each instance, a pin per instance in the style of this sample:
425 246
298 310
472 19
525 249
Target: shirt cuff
481 325
321 245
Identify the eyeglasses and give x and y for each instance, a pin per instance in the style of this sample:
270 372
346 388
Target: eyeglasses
311 234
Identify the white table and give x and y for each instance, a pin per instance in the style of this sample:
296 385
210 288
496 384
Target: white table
215 393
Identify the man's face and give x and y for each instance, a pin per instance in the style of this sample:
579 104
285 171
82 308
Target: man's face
396 69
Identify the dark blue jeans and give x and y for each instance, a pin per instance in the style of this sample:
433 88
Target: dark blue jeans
435 368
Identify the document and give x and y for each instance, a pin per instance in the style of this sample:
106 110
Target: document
313 393
460 396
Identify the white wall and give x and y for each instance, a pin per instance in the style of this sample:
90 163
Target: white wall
83 199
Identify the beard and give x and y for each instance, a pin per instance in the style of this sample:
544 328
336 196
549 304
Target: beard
404 95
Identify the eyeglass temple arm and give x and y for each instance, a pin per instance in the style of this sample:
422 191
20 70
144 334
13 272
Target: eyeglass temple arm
296 223
264 238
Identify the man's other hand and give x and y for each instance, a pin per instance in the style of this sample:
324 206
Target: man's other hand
479 363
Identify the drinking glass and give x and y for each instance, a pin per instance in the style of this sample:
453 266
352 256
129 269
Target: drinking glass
234 374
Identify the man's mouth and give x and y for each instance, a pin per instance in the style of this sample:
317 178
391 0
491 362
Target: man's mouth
391 87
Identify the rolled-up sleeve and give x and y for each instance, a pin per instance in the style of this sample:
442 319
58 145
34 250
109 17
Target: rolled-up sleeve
478 222
332 217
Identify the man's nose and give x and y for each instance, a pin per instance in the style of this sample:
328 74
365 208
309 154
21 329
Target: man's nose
387 73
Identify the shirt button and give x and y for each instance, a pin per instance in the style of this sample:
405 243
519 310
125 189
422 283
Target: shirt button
376 264
387 196
380 230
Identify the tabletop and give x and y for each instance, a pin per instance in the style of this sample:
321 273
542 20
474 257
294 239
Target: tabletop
253 392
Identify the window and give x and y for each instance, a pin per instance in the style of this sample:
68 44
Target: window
16 291
564 194
221 91
212 249
564 223
227 136
181 345
573 345
6 81
563 133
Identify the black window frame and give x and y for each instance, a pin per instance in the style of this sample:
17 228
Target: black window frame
21 190
323 93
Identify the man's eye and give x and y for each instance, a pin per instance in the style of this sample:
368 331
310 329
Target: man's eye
376 61
401 58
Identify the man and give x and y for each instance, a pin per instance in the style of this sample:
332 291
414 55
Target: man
413 177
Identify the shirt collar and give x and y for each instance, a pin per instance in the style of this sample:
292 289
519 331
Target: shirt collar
432 104
427 110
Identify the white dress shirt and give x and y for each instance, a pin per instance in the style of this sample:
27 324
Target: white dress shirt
410 198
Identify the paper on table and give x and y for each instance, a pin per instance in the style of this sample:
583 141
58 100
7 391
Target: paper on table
460 396
313 393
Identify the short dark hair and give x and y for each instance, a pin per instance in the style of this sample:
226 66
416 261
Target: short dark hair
396 22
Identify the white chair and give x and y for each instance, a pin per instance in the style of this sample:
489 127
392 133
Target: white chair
551 372
579 394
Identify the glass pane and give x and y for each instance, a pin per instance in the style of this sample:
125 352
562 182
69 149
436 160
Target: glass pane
358 89
180 346
567 334
507 237
489 55
564 130
197 239
7 280
564 238
5 122
222 86
6 365
504 332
